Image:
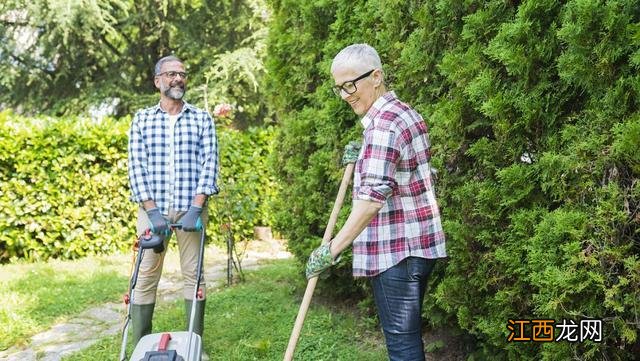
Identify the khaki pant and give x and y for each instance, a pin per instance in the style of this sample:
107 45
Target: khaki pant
151 264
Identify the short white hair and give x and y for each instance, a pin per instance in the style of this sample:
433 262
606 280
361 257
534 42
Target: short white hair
357 55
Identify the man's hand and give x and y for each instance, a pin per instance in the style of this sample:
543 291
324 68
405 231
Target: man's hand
320 260
191 221
158 223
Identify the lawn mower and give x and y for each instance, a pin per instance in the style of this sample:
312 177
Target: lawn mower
165 346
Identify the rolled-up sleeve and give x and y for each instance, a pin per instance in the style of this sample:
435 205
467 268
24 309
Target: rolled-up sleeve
378 165
208 179
137 163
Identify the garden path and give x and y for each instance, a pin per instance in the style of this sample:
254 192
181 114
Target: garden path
105 320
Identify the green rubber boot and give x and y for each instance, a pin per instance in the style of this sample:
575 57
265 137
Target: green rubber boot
198 322
141 316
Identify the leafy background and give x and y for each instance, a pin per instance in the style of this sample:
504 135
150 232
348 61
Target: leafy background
533 115
64 191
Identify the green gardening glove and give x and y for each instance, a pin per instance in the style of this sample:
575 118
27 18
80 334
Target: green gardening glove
320 260
351 152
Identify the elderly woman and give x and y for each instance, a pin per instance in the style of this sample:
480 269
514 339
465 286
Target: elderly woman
394 223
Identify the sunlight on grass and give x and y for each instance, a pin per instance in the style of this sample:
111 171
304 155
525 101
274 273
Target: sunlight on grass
35 296
12 319
253 321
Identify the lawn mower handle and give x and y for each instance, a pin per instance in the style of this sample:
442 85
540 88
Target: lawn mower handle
150 240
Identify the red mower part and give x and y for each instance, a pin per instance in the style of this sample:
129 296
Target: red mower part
164 342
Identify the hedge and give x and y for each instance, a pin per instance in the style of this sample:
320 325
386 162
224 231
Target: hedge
533 114
64 190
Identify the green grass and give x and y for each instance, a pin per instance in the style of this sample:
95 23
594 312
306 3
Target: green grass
36 296
253 321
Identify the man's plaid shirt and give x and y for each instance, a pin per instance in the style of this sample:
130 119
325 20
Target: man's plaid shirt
393 169
195 157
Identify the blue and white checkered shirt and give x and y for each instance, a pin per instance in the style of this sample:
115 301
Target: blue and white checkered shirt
194 163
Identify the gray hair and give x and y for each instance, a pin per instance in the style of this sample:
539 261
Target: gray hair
163 60
357 54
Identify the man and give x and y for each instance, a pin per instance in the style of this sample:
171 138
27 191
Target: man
173 168
394 223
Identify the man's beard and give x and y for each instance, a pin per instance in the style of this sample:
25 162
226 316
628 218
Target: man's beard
174 92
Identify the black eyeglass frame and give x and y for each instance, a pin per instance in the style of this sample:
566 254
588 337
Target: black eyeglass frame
337 89
183 74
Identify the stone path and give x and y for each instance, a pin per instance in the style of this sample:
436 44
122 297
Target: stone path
106 320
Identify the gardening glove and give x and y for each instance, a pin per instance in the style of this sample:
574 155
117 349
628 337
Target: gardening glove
158 223
320 260
351 152
191 221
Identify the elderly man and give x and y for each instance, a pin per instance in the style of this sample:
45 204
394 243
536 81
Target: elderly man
394 223
173 168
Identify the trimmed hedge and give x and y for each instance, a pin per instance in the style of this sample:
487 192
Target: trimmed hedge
533 109
248 187
64 191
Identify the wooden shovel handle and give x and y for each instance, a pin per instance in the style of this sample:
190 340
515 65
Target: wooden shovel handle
311 284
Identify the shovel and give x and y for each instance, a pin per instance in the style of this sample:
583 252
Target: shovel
350 156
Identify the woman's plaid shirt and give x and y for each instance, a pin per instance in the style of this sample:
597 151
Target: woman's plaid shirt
393 169
195 157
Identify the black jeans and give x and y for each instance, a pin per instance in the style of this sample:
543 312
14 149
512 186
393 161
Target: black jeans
398 293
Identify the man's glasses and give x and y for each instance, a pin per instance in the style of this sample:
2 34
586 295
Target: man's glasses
173 74
349 87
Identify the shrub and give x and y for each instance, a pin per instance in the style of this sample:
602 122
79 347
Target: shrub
64 188
64 191
533 111
247 184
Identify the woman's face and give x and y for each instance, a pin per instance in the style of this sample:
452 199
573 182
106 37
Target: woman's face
348 77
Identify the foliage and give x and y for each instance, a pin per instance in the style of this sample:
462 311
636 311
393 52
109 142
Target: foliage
248 186
261 312
67 196
68 57
235 78
533 110
62 196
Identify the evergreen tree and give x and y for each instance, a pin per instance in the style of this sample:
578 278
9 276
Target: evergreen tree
63 57
533 113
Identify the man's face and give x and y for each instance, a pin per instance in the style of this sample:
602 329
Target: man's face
170 82
365 86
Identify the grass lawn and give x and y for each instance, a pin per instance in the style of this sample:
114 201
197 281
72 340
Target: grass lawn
253 321
36 296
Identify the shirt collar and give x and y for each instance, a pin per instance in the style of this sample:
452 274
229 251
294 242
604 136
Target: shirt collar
376 107
186 107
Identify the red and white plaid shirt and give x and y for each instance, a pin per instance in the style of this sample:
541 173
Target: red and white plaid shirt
393 169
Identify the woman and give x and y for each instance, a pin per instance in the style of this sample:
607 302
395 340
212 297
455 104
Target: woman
394 223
